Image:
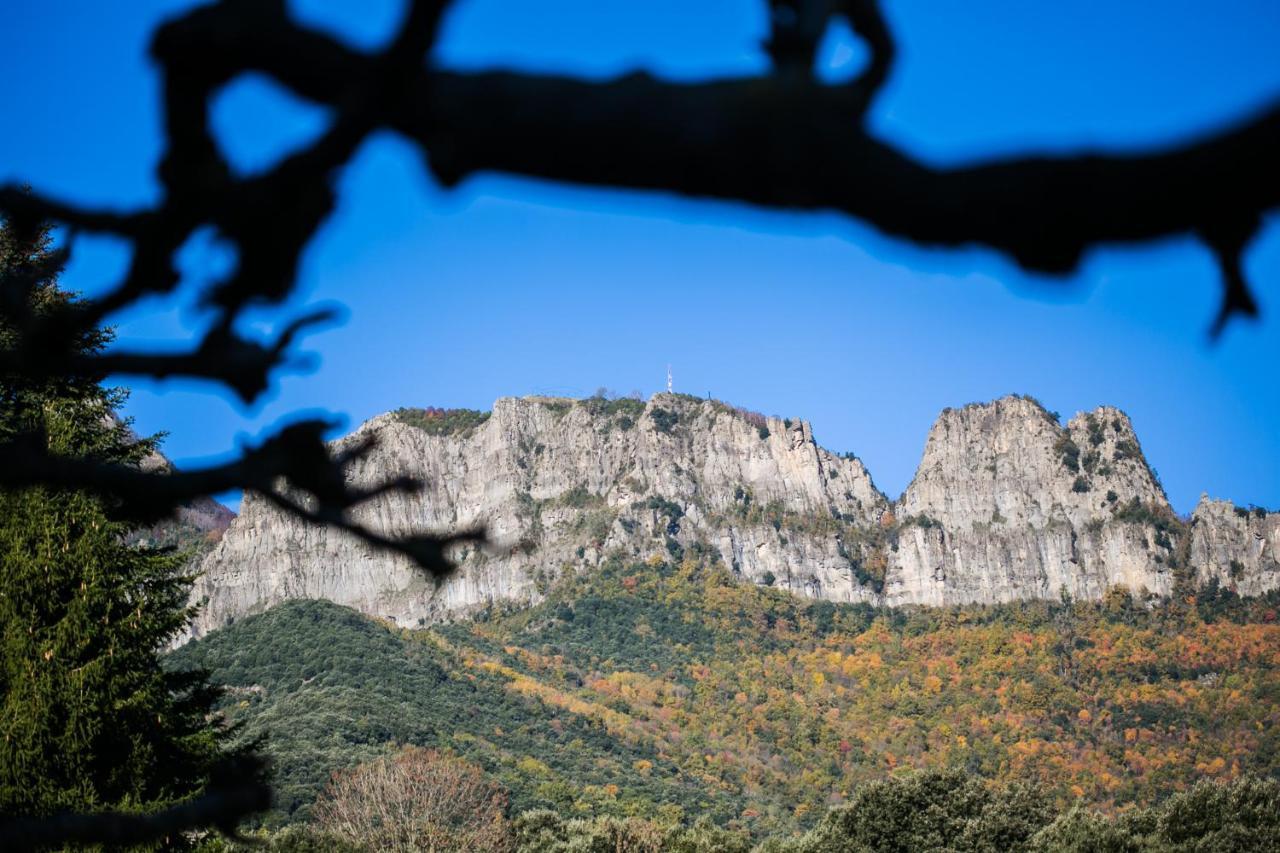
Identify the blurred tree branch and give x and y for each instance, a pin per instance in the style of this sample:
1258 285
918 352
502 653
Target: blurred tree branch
223 804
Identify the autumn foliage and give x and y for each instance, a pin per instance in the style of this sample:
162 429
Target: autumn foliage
791 705
671 690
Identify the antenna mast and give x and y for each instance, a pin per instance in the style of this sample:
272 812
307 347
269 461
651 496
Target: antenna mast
668 379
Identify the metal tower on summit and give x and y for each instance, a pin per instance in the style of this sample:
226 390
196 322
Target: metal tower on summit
668 379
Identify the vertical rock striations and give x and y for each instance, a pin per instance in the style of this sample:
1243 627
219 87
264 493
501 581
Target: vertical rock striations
1006 504
1235 546
559 484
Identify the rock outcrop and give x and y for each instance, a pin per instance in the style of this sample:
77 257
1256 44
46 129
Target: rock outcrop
1016 506
1007 504
1236 546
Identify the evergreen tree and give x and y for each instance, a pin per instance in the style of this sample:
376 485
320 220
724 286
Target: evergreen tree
89 719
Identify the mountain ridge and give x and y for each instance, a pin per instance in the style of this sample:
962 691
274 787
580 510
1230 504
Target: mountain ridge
1006 504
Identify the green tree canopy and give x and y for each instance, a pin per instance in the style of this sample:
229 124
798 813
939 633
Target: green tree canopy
88 718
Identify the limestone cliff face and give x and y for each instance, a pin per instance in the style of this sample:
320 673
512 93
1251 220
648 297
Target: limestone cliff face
560 484
1006 504
1236 546
1022 507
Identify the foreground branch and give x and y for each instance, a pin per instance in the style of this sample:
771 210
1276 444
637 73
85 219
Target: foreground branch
295 459
783 142
222 807
771 145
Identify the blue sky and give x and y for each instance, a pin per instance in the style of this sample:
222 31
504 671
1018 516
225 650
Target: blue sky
507 286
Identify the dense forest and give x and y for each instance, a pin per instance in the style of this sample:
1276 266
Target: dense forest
665 692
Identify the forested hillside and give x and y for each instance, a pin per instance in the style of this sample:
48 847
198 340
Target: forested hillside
665 688
330 688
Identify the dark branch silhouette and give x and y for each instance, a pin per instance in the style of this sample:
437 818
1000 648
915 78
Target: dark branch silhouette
223 356
783 140
222 806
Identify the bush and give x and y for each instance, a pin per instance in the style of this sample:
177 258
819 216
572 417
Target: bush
1125 449
932 810
1241 816
664 420
1068 452
665 508
293 839
545 831
579 498
416 799
1096 434
622 408
952 812
1136 512
435 421
1078 831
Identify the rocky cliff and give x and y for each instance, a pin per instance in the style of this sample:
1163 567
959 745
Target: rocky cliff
1006 504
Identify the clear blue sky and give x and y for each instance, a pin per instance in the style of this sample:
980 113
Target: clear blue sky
508 286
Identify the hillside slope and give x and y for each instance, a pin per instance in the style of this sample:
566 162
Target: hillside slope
1007 504
661 686
329 688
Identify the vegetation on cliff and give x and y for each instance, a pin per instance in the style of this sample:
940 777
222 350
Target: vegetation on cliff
434 421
